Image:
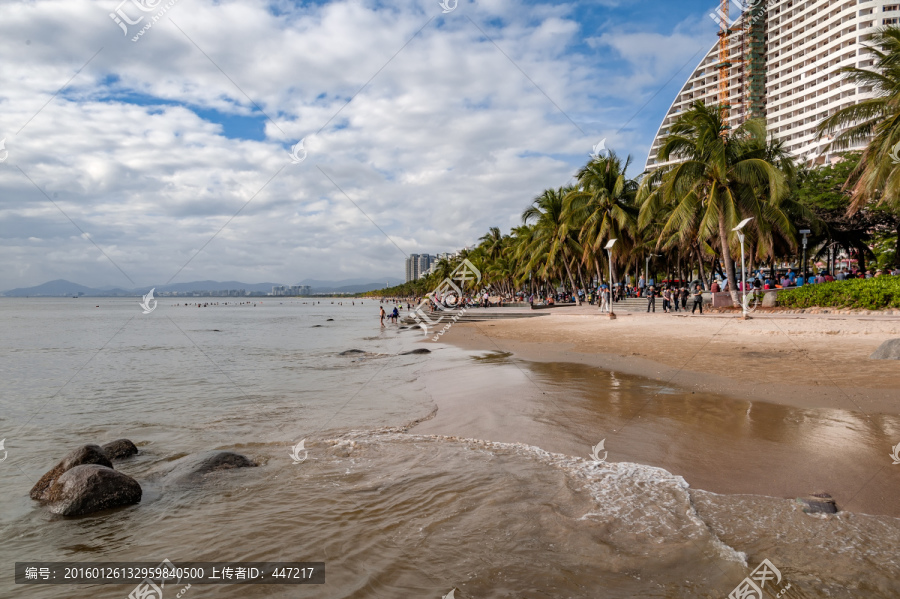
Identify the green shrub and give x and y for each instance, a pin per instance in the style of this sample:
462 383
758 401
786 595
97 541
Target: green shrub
869 294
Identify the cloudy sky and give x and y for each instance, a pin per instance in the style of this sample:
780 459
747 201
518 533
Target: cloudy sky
135 159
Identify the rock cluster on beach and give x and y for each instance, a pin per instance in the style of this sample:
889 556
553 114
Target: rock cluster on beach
86 454
120 449
90 488
85 481
193 468
889 350
818 503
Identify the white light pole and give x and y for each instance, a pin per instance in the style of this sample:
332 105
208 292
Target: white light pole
740 233
804 232
647 268
609 246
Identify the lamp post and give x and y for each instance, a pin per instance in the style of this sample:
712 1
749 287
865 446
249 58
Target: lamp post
740 233
647 268
832 257
608 248
805 232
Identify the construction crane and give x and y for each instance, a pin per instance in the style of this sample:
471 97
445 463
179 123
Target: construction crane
751 25
724 64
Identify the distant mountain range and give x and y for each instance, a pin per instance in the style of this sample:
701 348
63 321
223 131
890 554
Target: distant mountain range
63 288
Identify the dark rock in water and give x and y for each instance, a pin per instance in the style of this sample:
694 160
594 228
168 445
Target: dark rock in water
889 350
351 352
86 454
120 449
90 488
421 350
315 326
818 503
194 467
329 319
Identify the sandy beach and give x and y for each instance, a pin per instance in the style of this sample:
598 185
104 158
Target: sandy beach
798 360
778 406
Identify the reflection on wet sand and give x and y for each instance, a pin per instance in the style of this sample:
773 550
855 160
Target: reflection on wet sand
717 443
727 445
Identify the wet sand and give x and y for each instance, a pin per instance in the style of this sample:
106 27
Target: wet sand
778 407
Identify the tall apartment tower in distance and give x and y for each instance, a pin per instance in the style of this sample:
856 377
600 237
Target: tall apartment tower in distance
417 265
412 267
425 262
781 60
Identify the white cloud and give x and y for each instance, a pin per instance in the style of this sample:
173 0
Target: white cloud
449 138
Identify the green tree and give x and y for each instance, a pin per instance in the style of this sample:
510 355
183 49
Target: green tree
600 207
553 245
874 122
717 182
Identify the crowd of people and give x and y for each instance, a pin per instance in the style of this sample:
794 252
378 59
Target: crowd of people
674 295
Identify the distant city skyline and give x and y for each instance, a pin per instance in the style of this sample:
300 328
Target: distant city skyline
63 288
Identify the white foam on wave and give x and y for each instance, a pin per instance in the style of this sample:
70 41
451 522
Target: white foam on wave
637 505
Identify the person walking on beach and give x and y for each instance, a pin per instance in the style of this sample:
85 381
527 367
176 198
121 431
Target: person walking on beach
382 315
667 299
651 299
698 300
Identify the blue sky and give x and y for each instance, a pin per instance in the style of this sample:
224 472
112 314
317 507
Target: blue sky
420 129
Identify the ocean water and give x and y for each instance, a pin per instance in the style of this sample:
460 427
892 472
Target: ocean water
392 512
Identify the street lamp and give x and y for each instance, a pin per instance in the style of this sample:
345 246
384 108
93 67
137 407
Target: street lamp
804 232
647 267
608 248
740 233
833 257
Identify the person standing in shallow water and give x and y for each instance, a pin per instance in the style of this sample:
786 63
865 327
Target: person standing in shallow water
382 315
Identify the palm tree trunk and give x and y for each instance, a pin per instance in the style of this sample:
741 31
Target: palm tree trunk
700 261
572 282
729 263
581 278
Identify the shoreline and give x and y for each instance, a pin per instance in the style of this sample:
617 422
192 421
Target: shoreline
705 353
750 434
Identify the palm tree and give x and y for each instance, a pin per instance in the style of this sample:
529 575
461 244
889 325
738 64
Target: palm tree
553 245
492 242
600 206
875 121
443 270
773 220
519 240
716 182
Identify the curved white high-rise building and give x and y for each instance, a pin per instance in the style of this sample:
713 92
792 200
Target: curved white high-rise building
806 43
